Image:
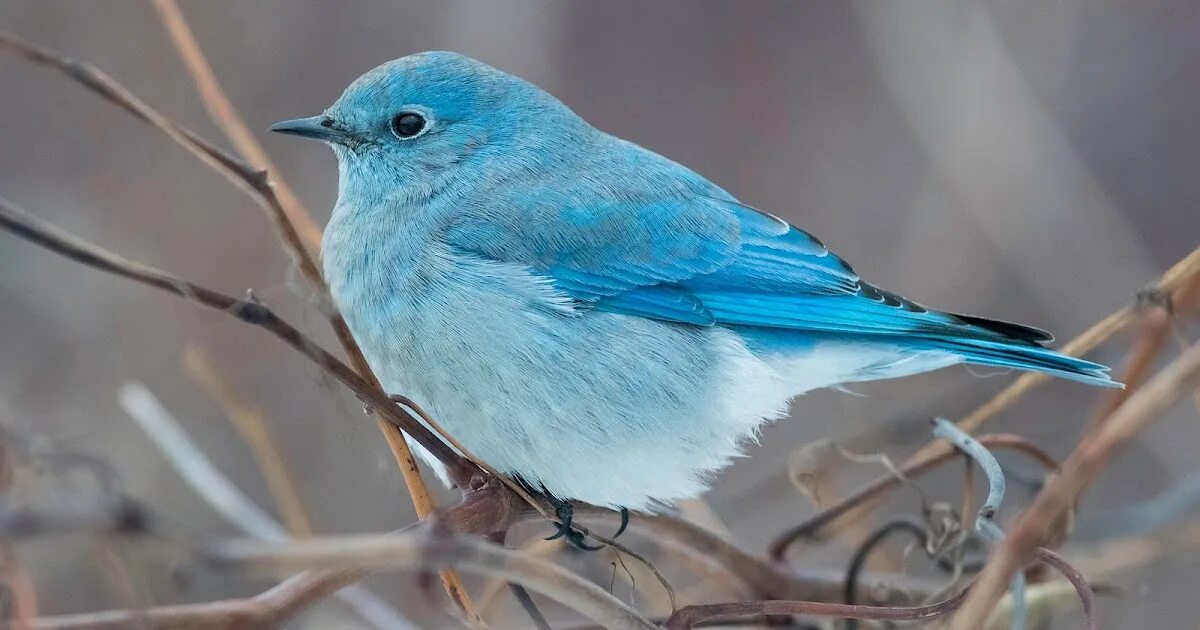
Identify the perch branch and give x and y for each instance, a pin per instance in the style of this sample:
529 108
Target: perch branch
1180 274
426 548
1036 524
260 188
251 311
689 616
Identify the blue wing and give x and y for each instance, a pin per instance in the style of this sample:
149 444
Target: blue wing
678 249
700 258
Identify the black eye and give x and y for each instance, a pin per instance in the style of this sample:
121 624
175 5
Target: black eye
407 124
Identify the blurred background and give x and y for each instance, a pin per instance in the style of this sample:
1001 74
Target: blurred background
1027 161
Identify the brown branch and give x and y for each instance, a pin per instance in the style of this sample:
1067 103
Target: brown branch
934 455
269 609
1037 523
250 311
1153 313
689 616
21 590
427 548
252 426
1182 273
226 116
259 187
1087 599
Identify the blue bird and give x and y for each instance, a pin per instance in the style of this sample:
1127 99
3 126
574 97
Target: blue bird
587 315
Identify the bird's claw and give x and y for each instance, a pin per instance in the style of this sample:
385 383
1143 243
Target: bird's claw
624 522
573 537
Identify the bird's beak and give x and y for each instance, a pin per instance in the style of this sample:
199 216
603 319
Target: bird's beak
317 127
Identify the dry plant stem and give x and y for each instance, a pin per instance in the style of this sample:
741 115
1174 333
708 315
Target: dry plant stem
252 426
300 237
939 452
689 616
226 116
21 223
256 184
428 547
1154 319
21 590
269 609
1036 524
1087 599
1179 275
259 187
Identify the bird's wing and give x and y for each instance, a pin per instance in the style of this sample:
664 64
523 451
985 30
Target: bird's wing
647 255
691 257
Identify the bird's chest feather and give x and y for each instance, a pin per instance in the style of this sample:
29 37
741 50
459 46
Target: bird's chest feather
428 317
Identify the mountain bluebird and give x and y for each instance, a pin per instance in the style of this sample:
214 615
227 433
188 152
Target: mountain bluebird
585 314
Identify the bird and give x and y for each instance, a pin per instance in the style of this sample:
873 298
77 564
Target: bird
588 316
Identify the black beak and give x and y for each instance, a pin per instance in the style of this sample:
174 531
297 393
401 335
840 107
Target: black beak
316 127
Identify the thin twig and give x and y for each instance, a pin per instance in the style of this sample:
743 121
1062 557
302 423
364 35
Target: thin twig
941 452
20 587
252 426
1089 458
227 499
19 222
426 548
1086 598
260 188
985 519
689 616
226 116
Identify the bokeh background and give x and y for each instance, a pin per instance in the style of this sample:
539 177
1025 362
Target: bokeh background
1032 161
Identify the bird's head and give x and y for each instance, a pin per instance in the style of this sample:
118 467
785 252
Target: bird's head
411 126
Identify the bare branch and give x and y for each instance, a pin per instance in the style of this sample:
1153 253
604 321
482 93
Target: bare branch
688 616
260 188
251 311
428 548
1089 458
226 116
226 498
251 424
938 453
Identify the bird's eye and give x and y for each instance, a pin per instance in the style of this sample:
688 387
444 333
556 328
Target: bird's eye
407 124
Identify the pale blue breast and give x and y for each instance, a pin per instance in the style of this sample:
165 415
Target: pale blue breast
608 408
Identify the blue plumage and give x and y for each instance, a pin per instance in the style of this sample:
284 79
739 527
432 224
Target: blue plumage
571 305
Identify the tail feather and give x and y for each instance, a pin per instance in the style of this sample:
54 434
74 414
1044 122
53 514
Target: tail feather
1023 355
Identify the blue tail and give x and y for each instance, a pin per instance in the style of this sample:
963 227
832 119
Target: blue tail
1019 347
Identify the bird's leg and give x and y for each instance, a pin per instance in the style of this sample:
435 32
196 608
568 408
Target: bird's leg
565 512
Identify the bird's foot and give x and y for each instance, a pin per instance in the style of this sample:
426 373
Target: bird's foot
574 537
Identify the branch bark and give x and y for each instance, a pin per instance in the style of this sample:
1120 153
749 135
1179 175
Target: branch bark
260 188
1037 523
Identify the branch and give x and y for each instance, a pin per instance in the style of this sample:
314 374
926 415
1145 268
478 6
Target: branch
933 455
1037 523
182 454
428 548
250 311
269 609
259 187
226 116
688 616
251 424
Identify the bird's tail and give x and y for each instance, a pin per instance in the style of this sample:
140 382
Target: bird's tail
1020 347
